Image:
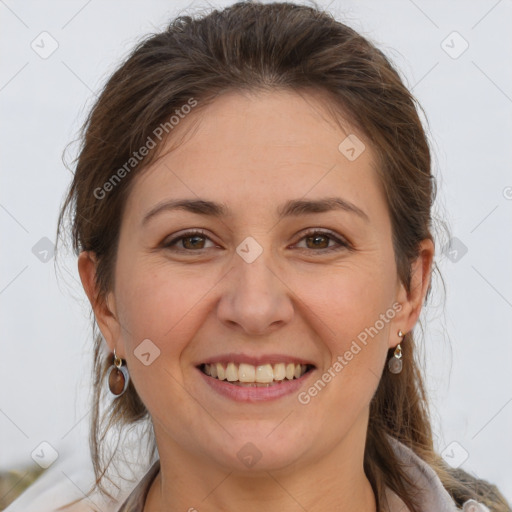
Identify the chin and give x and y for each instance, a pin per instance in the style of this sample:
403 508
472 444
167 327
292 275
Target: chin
260 452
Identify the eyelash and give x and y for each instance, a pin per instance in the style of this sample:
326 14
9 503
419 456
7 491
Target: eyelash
342 244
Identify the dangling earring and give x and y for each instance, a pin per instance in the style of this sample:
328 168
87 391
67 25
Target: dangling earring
117 377
395 363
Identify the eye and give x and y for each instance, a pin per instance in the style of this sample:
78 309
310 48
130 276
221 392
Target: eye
319 241
191 240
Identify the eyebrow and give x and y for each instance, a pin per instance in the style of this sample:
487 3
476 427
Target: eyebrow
292 208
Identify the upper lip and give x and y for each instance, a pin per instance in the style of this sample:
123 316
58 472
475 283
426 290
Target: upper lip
255 360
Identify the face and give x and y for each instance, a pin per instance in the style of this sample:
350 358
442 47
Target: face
260 283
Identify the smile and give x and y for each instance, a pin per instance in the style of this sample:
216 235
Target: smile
245 374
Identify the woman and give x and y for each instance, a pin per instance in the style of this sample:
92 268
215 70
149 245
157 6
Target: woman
251 208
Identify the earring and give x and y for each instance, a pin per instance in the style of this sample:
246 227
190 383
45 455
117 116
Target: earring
117 377
395 363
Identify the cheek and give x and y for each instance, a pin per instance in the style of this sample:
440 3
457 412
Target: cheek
154 309
162 306
357 298
354 329
158 302
358 318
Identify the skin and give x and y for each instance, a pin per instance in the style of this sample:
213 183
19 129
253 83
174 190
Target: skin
254 152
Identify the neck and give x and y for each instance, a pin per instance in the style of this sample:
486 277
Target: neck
334 481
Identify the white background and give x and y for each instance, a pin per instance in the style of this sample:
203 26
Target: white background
45 338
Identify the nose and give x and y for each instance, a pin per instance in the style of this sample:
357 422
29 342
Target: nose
255 299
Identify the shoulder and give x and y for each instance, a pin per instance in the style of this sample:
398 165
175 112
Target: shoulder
434 495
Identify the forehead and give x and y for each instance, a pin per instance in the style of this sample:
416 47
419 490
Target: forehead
258 148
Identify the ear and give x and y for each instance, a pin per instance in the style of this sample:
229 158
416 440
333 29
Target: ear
103 307
412 301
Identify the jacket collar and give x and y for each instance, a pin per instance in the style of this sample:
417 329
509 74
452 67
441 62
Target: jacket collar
433 495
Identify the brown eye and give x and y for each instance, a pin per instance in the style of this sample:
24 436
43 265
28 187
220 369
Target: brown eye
194 242
319 241
190 241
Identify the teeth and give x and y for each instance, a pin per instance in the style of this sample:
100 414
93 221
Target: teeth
221 374
279 372
231 372
264 373
246 373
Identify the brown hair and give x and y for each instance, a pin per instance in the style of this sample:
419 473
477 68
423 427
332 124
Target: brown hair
251 46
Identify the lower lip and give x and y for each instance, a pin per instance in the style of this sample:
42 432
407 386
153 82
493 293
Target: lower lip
255 394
